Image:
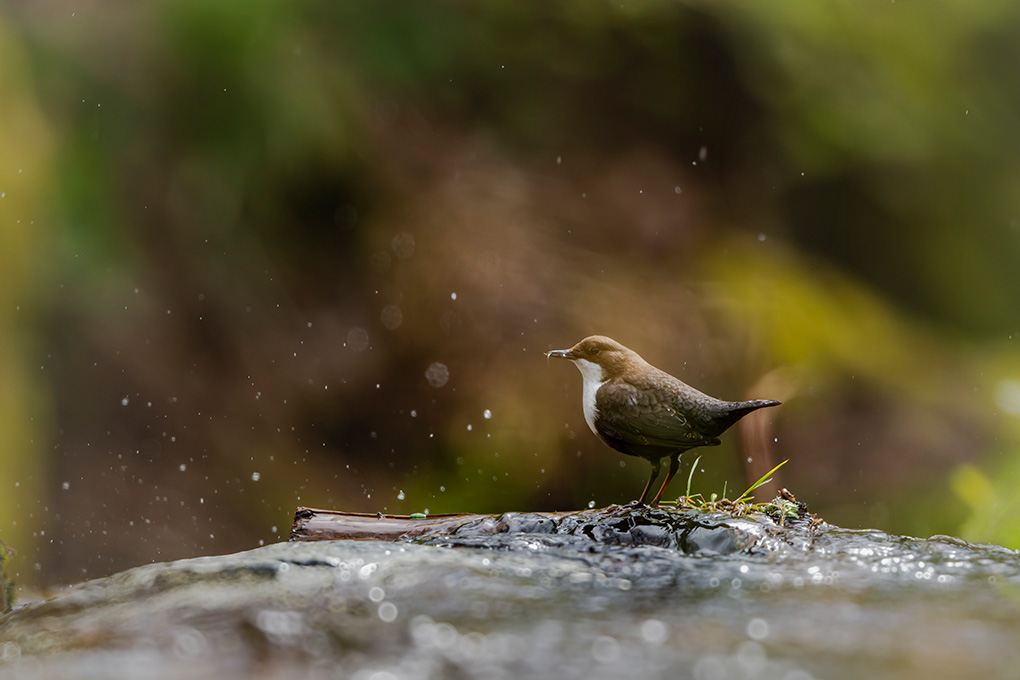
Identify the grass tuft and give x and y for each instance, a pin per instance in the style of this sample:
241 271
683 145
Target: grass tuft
783 507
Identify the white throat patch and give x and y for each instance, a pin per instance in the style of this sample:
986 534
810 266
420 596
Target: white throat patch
593 379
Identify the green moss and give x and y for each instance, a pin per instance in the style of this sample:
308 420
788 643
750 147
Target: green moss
6 584
780 509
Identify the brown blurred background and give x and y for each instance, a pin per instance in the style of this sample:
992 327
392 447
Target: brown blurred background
264 254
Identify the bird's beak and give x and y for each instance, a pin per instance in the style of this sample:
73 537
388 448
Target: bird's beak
561 354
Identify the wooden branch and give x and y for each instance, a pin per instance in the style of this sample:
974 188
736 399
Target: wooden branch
311 524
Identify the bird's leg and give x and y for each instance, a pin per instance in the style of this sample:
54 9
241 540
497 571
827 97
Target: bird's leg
674 465
656 466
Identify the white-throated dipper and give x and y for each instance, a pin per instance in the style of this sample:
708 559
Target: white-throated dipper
640 410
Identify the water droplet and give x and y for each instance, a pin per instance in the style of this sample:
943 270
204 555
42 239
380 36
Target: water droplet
591 504
1007 396
357 339
66 485
255 476
182 467
751 658
400 495
605 649
437 374
758 629
403 245
487 414
124 401
189 643
654 631
391 317
388 612
10 652
453 296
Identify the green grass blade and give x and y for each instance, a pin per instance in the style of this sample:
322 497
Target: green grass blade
690 476
765 479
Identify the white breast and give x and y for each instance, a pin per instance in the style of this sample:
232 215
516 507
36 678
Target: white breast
593 380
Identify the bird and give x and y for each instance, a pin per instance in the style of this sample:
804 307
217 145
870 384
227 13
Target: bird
640 410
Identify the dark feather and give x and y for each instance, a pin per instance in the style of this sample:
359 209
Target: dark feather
655 415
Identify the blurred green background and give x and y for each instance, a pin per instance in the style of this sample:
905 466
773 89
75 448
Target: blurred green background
245 243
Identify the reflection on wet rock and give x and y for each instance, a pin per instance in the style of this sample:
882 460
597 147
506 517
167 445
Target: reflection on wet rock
606 593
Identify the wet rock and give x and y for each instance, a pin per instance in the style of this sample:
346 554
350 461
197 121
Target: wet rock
610 593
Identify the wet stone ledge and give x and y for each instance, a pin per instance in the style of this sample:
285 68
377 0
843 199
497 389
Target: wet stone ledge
607 593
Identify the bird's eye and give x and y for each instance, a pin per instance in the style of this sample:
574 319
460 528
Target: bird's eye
594 350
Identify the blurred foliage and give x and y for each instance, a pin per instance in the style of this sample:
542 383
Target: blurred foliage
6 584
239 234
25 409
992 494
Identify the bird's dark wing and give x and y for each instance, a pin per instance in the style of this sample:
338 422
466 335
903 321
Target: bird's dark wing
640 420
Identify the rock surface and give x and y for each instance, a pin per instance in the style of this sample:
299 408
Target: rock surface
609 593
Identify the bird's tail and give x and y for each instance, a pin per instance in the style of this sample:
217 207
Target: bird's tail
735 410
745 407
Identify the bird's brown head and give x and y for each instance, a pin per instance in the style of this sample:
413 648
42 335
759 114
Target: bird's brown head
604 352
